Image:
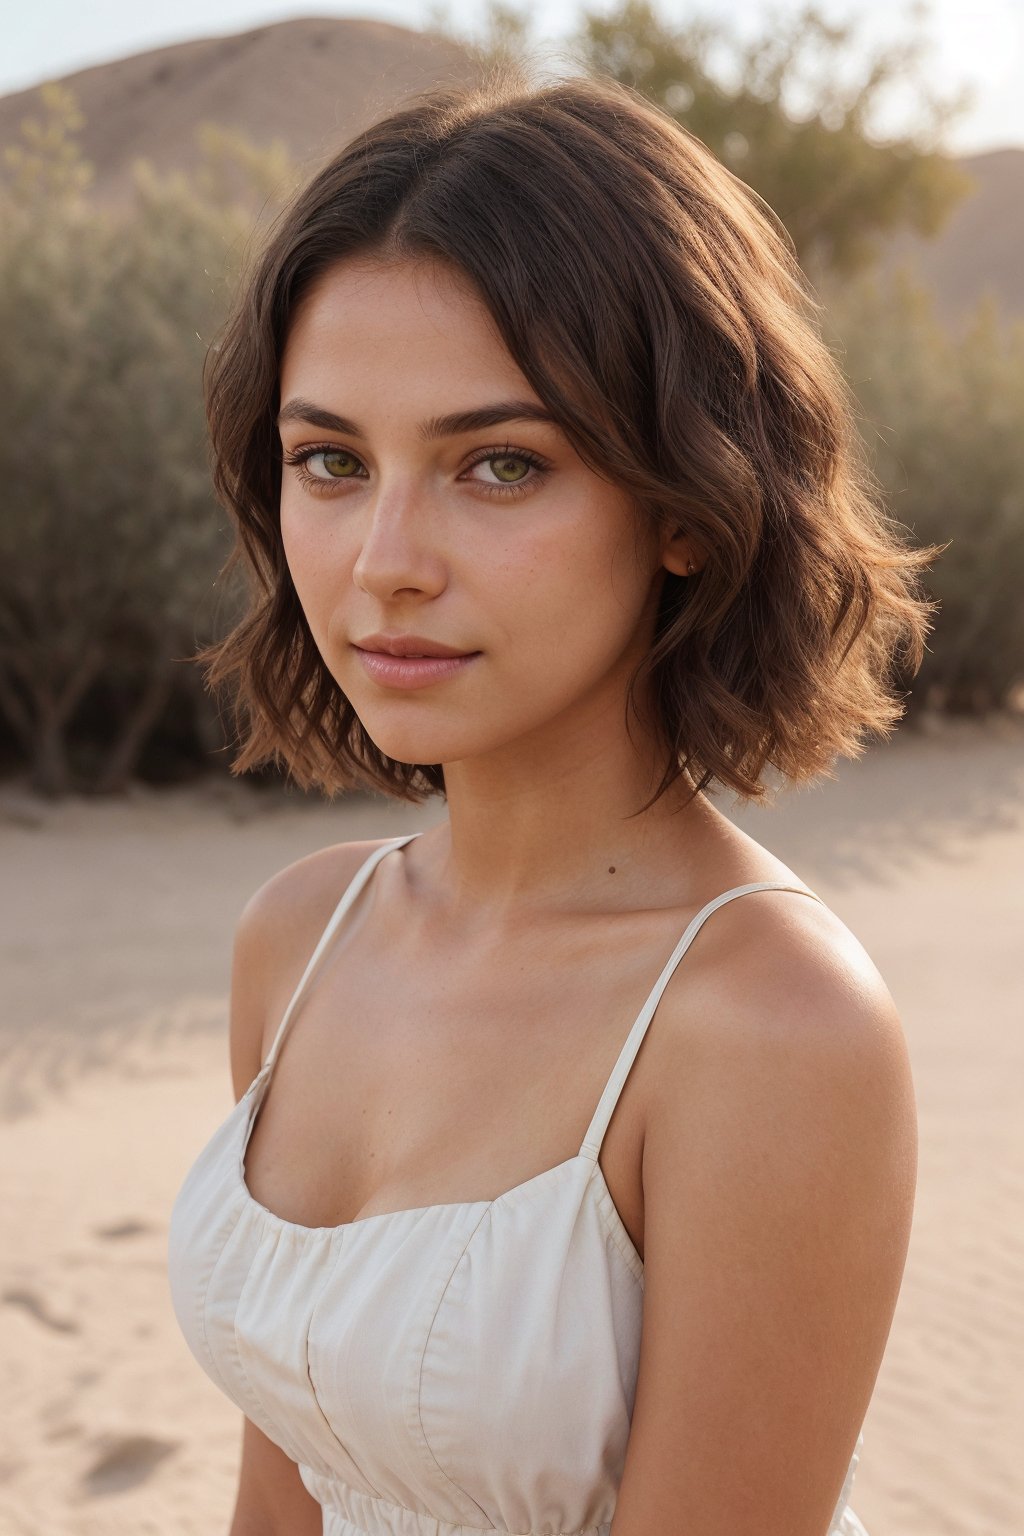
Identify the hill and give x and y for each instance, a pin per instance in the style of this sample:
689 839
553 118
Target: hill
311 83
982 246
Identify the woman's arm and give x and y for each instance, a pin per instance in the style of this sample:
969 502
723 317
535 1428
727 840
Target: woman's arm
272 1499
779 1170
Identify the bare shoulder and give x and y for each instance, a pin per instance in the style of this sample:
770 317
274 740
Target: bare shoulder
779 1170
302 894
275 934
784 1027
778 972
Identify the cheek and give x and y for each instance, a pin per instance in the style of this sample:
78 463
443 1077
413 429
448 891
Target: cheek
592 564
313 557
572 594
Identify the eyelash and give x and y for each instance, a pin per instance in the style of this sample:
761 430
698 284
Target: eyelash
320 487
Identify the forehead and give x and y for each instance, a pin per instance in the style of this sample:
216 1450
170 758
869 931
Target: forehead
364 322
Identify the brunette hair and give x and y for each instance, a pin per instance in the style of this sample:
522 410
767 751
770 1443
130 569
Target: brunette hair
655 304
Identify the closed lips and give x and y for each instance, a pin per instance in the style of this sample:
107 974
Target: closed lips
414 648
418 655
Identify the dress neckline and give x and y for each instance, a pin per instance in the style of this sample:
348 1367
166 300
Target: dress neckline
330 1234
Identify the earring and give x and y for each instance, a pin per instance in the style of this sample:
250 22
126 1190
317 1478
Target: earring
690 567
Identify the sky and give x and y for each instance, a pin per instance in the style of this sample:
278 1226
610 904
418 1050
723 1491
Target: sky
978 45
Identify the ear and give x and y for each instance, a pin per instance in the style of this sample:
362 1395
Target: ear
682 556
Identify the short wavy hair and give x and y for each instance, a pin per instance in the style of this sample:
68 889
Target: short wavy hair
656 306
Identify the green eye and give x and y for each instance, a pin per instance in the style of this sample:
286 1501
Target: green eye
515 472
336 462
497 460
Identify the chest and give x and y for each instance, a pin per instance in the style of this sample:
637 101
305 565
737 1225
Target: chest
417 1078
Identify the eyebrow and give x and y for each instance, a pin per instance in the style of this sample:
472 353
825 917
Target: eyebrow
451 425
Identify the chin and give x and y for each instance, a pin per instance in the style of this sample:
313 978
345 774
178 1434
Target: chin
419 746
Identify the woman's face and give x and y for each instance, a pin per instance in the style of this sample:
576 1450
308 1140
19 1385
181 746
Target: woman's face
493 539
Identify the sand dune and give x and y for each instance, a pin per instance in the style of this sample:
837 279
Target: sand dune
113 1072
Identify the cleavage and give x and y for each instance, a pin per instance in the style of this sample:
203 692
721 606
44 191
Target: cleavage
376 1105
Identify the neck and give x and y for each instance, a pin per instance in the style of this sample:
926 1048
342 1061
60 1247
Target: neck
563 835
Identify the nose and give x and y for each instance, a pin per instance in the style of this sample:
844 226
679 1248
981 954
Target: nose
399 552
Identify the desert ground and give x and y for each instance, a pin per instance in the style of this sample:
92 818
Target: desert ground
114 953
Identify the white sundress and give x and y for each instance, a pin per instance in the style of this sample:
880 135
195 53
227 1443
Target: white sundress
441 1371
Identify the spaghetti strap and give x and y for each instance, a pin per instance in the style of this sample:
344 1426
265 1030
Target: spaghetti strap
349 895
609 1098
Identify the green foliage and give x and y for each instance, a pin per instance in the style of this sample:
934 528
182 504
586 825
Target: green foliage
234 170
786 125
48 162
109 537
777 113
942 418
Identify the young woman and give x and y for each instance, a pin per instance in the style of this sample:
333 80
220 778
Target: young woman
550 491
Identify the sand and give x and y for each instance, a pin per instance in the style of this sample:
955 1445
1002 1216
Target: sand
114 954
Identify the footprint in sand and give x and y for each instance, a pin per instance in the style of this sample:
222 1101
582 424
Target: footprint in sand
36 1308
129 1228
125 1464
